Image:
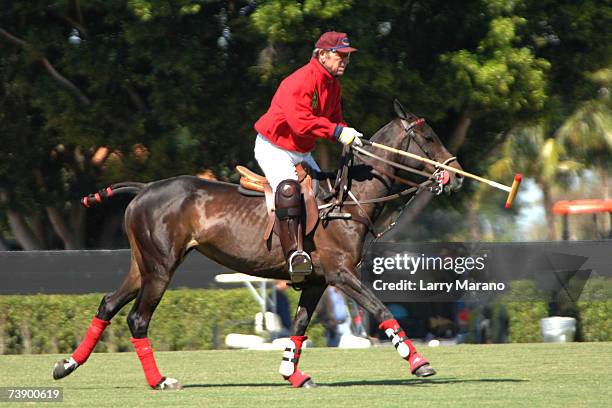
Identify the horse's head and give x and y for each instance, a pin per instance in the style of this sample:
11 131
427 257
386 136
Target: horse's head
412 134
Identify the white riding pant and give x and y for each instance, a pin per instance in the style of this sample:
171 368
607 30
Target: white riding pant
277 163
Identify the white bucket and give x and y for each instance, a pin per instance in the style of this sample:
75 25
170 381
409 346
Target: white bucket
558 329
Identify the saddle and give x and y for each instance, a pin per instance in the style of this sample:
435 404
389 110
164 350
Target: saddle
253 184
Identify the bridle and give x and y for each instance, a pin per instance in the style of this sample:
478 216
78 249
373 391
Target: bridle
434 182
440 176
437 180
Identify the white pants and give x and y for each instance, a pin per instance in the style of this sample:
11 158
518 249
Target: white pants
277 163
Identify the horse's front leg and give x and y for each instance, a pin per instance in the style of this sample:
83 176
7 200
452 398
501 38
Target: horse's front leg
311 294
348 282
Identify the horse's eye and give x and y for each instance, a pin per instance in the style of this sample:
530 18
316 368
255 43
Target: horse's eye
426 135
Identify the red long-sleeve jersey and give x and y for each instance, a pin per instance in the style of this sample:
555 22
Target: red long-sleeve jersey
306 106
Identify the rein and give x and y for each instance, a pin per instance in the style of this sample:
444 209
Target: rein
431 177
340 186
392 163
384 199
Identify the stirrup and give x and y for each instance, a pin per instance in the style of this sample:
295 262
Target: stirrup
300 265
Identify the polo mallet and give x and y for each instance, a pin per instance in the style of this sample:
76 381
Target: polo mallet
510 190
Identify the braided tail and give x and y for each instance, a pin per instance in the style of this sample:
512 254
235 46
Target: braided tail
129 187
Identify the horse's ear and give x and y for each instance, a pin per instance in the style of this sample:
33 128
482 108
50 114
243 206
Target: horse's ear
399 109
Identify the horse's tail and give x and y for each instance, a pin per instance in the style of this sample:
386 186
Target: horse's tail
127 187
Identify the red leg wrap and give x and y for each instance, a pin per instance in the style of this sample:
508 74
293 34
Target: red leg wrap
147 360
414 359
298 378
94 332
298 341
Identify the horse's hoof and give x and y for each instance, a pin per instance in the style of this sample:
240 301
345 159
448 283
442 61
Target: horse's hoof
425 371
168 384
309 384
63 368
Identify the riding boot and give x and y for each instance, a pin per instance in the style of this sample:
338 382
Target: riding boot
288 203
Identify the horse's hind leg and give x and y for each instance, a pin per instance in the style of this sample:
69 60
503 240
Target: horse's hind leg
111 304
311 294
353 287
157 269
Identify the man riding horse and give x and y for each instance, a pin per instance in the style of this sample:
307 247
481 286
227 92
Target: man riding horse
169 218
305 107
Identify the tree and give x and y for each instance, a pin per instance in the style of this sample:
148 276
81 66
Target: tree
588 131
79 76
184 81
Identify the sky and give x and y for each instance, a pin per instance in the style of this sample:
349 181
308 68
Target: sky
532 210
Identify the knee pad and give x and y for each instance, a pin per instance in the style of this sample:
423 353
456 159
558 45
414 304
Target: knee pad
288 200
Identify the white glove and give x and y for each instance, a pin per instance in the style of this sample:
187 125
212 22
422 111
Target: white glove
350 136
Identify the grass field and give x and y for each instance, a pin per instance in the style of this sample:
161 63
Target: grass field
546 375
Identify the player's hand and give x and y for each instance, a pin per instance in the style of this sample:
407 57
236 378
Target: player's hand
350 136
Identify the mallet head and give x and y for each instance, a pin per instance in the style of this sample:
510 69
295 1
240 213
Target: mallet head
514 189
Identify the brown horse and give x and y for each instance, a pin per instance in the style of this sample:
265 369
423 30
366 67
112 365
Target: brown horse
169 218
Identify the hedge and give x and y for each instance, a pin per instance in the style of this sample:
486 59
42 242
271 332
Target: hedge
593 312
186 319
191 319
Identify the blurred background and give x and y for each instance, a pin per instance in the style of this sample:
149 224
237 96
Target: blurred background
97 92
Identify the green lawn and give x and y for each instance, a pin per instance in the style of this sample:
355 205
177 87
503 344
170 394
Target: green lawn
547 375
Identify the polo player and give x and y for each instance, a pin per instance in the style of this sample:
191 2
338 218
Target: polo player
306 106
